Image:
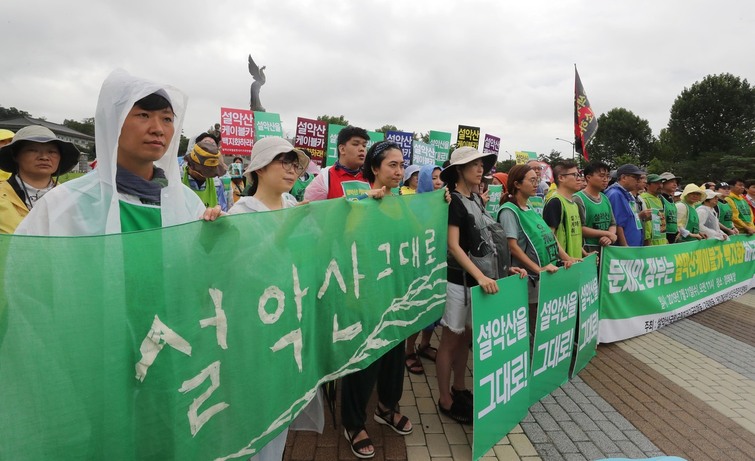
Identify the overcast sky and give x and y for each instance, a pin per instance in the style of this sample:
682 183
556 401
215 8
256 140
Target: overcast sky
505 66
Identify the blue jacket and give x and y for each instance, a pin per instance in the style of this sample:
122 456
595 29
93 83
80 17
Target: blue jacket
624 210
425 180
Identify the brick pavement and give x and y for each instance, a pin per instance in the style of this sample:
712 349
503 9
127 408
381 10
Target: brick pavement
687 390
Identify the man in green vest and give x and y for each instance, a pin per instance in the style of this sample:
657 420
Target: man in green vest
668 188
561 213
598 222
655 227
741 212
724 209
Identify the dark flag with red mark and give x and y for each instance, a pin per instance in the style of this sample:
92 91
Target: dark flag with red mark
585 122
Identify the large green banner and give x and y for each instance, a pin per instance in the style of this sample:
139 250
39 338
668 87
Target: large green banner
589 310
644 289
554 330
203 341
501 362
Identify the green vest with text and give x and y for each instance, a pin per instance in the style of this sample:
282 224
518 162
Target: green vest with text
569 231
725 214
670 209
693 223
652 227
538 234
597 215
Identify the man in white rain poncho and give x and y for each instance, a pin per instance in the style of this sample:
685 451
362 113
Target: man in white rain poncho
136 184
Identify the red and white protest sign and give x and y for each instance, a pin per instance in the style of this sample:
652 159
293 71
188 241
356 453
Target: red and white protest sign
236 131
312 135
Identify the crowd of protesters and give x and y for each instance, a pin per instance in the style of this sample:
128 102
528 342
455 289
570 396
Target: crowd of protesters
138 185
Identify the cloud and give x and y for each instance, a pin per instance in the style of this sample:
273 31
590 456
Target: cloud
506 67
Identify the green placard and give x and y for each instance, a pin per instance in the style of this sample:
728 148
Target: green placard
145 345
375 136
589 310
501 362
554 330
267 124
442 142
354 189
494 202
332 155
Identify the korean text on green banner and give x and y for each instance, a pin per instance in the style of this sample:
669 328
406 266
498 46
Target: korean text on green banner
333 131
589 310
644 289
494 202
442 142
468 136
404 140
501 362
312 135
145 345
375 136
423 153
554 330
267 124
237 131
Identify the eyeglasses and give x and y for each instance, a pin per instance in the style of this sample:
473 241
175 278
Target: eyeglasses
576 175
532 181
291 165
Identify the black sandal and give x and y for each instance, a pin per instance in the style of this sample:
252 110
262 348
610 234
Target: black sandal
386 418
459 412
356 446
423 352
464 395
414 365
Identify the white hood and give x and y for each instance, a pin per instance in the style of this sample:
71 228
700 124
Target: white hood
90 205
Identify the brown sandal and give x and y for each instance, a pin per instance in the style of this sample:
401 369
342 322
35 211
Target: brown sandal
426 351
414 365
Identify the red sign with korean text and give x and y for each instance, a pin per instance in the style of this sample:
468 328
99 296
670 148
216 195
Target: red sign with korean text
236 131
312 135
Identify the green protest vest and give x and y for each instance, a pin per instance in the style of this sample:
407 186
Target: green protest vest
670 209
537 204
653 226
538 234
569 231
597 215
139 217
693 223
208 196
725 214
745 214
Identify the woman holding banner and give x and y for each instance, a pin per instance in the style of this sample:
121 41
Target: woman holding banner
273 168
532 243
384 169
470 235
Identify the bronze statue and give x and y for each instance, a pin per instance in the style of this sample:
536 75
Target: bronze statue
259 79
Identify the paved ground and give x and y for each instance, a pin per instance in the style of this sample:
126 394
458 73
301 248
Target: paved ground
687 390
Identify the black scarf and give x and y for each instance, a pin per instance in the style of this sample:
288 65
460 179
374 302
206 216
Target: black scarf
147 191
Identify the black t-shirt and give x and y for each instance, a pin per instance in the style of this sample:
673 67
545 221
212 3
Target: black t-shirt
552 213
469 237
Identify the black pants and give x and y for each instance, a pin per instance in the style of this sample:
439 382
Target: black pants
356 388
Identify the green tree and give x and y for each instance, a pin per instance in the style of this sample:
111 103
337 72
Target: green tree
716 114
622 133
504 166
332 119
387 128
183 145
86 125
12 112
553 157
